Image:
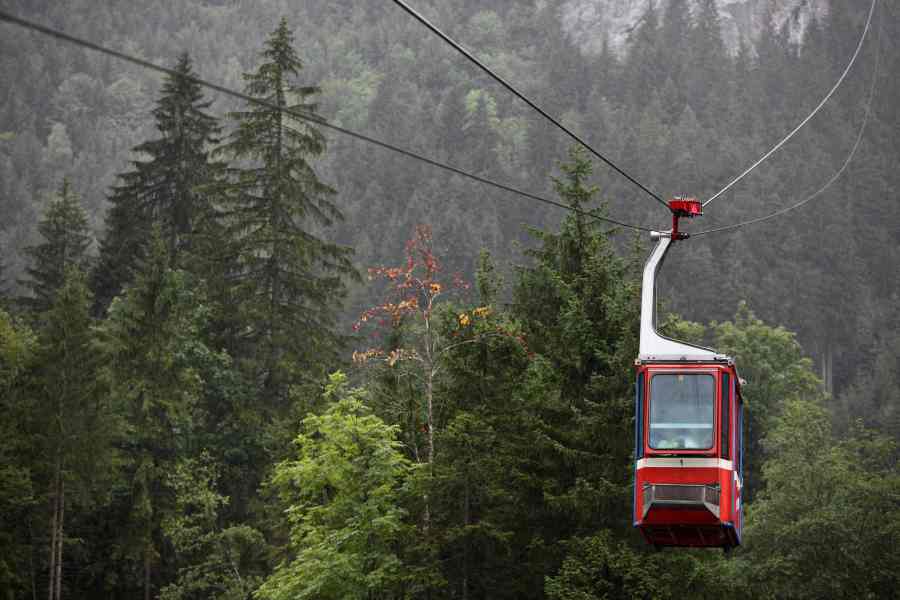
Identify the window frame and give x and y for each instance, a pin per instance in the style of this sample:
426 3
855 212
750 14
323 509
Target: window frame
725 428
716 374
640 401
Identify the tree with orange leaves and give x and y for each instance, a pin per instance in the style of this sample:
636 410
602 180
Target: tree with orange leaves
413 292
412 301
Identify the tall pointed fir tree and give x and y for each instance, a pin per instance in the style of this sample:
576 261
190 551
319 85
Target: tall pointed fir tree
289 280
73 422
66 240
708 79
150 340
645 60
579 305
164 189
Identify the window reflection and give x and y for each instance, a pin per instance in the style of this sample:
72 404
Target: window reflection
682 411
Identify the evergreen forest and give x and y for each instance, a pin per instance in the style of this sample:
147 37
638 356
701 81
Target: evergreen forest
243 356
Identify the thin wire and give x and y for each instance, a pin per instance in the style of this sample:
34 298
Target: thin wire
4 16
483 180
807 119
458 47
835 177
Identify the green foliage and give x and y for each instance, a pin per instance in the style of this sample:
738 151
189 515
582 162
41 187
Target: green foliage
80 426
149 336
776 368
470 489
529 492
152 345
874 397
290 281
564 438
73 430
488 281
214 562
66 240
828 513
776 371
165 189
602 567
353 96
17 348
481 117
342 496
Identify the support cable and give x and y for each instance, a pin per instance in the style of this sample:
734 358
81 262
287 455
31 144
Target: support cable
835 177
815 111
315 119
459 48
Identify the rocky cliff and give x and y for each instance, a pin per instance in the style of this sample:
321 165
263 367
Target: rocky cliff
595 22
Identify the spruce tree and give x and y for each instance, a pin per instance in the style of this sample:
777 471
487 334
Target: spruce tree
164 189
72 421
646 57
289 280
579 308
675 34
66 240
708 80
151 338
121 247
478 127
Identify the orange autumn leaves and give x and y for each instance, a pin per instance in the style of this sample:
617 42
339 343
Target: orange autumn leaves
412 291
465 319
412 288
411 296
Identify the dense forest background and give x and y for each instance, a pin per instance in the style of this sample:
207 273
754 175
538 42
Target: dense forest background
183 274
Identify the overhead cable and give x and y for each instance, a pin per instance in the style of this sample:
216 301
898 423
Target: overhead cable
815 111
834 178
4 16
494 75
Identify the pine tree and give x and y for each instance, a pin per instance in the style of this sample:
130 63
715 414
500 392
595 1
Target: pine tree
180 160
73 418
708 80
290 281
451 115
578 304
164 189
66 240
645 59
481 111
150 339
676 38
120 249
577 299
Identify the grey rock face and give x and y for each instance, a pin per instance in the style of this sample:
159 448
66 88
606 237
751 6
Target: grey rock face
593 23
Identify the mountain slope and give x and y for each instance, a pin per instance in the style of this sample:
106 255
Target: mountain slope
591 23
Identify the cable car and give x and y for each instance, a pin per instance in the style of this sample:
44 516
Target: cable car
688 427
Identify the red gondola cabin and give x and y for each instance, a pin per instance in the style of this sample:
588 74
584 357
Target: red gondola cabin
688 475
688 459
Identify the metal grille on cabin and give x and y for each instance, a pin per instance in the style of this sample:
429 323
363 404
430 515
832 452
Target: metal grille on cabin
684 495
